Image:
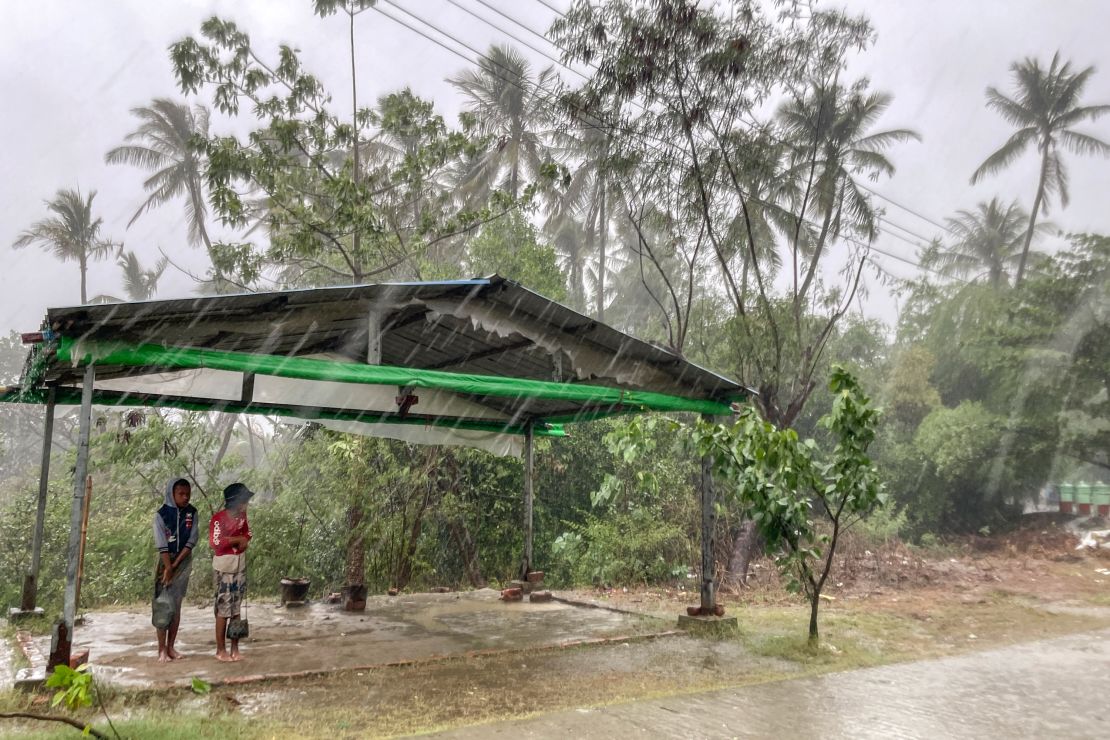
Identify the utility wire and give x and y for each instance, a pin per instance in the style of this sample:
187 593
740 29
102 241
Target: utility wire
752 123
549 100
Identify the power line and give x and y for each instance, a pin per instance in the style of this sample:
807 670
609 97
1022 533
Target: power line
519 40
640 105
631 132
752 124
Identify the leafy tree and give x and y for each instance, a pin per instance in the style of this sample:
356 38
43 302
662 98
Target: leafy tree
300 171
635 529
781 480
1023 377
72 234
1044 108
909 395
165 144
510 248
959 489
678 85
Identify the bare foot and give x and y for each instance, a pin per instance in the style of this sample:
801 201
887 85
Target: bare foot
174 655
163 657
224 657
235 656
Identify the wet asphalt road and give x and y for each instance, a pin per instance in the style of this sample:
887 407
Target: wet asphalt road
1057 688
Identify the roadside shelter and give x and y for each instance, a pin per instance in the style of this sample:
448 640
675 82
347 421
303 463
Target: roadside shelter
484 363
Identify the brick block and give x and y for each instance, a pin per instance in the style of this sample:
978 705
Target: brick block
78 659
512 594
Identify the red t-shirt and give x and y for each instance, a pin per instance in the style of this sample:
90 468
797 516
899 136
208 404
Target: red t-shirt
224 526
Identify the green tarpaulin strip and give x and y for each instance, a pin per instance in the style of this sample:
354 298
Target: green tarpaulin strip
188 358
67 397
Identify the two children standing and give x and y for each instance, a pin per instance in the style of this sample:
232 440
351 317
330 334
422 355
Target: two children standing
175 537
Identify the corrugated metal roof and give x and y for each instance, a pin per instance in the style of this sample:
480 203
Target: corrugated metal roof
490 326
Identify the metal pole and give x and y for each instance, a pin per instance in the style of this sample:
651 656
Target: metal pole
708 535
529 474
77 513
31 582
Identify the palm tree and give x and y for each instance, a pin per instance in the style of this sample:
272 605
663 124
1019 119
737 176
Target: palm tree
988 242
71 233
593 196
512 108
163 144
138 284
1044 108
829 127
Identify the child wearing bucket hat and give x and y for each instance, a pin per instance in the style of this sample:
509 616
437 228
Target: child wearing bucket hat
229 534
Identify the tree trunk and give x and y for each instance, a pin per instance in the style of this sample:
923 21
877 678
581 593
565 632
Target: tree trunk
747 545
1032 219
813 604
84 265
356 547
468 552
408 551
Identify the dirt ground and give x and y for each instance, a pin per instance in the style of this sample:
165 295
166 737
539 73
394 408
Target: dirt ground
889 603
1040 560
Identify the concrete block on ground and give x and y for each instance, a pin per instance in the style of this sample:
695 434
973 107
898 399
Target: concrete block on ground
535 576
539 597
512 594
524 586
30 679
708 625
15 614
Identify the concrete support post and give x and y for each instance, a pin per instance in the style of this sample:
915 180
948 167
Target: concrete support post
63 631
31 581
529 475
708 535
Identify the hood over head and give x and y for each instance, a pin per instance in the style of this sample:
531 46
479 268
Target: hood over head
168 500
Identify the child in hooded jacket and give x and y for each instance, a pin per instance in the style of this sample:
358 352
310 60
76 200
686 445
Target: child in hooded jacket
175 537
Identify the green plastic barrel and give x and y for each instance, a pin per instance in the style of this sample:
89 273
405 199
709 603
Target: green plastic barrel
1083 496
1067 493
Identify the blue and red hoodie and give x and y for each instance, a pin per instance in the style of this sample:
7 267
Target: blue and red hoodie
175 528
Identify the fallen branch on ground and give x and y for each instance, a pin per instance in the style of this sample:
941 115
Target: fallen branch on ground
48 718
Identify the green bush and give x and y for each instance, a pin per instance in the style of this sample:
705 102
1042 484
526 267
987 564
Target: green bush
638 546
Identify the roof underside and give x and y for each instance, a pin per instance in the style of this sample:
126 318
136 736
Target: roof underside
490 327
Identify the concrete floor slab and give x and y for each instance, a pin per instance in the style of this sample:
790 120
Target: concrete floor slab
319 638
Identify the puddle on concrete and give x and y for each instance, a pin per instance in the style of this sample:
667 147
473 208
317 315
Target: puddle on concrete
319 637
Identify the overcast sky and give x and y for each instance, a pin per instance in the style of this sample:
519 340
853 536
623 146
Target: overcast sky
74 69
